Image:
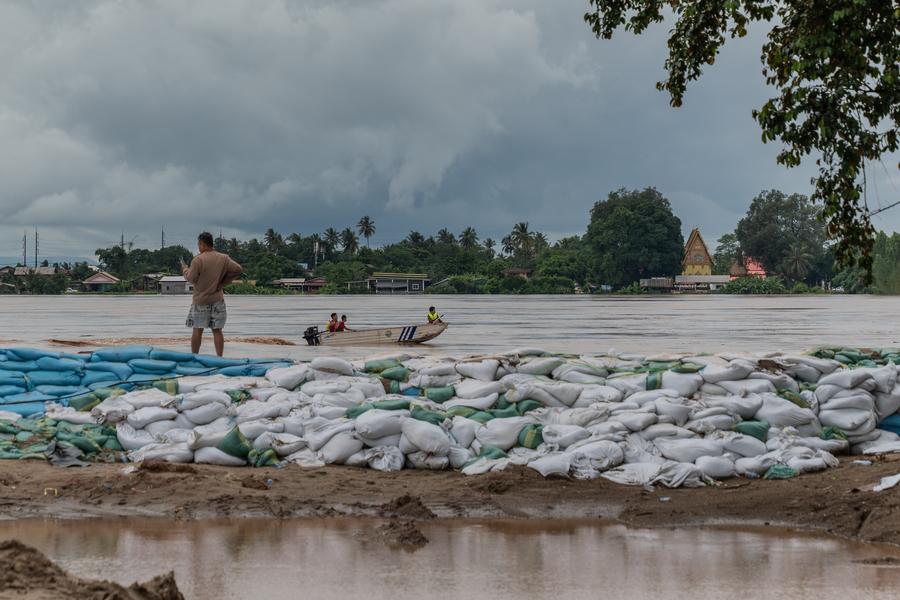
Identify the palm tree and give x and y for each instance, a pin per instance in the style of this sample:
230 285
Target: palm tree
273 241
332 238
489 246
522 242
445 237
506 245
798 263
349 241
366 228
295 239
468 239
540 241
415 239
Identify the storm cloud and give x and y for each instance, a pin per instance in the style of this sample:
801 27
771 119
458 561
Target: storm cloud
234 115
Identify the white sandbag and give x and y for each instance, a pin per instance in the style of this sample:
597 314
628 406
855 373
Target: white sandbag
318 431
305 458
329 412
459 456
358 460
439 369
850 378
349 399
645 397
377 423
157 428
214 456
859 400
144 416
638 450
736 369
369 389
686 384
289 378
292 424
633 473
688 450
502 433
253 410
311 388
189 383
484 370
716 467
339 448
779 412
564 436
743 387
757 465
254 429
597 393
678 411
742 445
823 365
332 364
539 365
388 440
67 414
665 430
556 464
599 455
472 388
885 377
151 397
463 430
175 436
576 373
476 403
608 428
887 404
679 474
710 424
635 421
627 384
263 394
198 399
207 413
429 381
743 406
131 438
583 417
426 437
385 458
779 381
112 410
485 465
423 460
850 421
173 453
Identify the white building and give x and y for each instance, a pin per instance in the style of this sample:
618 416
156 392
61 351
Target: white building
175 284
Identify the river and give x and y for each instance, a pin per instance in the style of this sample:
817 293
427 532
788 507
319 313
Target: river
480 324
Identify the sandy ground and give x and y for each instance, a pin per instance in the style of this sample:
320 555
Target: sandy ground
27 574
838 501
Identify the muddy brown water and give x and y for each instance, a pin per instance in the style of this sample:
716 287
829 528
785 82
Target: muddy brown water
466 559
480 324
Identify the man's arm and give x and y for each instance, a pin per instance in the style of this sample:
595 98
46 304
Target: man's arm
192 273
232 271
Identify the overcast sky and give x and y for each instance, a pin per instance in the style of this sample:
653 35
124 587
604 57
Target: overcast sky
240 115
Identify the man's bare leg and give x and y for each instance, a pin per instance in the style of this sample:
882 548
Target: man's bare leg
219 341
196 338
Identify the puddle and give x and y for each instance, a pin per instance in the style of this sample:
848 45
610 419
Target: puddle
466 559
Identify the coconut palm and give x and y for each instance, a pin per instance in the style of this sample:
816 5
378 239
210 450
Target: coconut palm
798 263
489 244
332 239
366 228
468 239
507 246
273 241
445 237
349 241
415 239
295 239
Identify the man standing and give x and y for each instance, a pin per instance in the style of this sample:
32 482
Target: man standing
209 272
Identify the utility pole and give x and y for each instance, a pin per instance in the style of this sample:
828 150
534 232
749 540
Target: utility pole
316 254
122 241
35 248
25 248
163 245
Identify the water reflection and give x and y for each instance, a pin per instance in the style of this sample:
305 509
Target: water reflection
472 560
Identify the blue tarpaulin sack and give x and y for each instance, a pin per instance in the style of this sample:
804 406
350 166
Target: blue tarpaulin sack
121 355
891 423
148 365
19 365
171 355
36 378
121 370
90 377
29 353
49 363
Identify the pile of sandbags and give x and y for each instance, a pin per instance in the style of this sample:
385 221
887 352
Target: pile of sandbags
674 421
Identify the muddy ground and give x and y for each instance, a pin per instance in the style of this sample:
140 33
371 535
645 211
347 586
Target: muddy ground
837 501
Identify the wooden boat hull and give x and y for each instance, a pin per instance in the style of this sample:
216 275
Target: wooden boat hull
409 334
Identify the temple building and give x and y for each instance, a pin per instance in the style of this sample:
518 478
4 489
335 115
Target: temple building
697 259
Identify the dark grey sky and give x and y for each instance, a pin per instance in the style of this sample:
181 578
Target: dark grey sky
241 115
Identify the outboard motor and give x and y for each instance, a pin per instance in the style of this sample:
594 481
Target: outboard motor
311 335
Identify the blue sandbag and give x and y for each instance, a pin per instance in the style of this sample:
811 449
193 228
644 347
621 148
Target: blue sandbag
121 355
179 370
171 355
891 423
11 378
412 391
36 378
244 371
193 364
61 390
101 385
217 361
81 357
90 377
27 409
10 390
28 397
19 365
121 370
29 354
48 363
148 365
145 378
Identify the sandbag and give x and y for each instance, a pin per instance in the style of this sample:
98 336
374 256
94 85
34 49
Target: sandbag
288 378
385 458
555 464
131 438
173 453
339 448
716 467
379 423
688 450
214 456
423 460
426 437
564 436
501 433
332 364
485 370
144 416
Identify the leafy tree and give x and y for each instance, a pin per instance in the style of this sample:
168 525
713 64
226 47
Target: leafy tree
332 239
273 241
728 252
886 264
80 272
634 234
489 245
366 228
349 241
798 262
774 224
445 237
415 239
113 260
468 239
836 67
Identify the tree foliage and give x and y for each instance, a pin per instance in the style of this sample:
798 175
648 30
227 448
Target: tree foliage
835 65
634 234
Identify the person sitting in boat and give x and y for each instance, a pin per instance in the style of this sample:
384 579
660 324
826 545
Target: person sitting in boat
342 324
332 325
433 317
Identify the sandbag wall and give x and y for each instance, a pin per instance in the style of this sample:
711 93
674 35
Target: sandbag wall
631 419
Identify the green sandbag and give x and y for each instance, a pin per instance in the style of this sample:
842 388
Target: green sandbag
355 411
654 366
502 402
169 386
429 416
85 402
235 444
83 443
486 452
780 472
238 396
831 433
504 413
758 429
400 373
794 397
262 458
461 411
8 427
482 416
440 394
391 386
24 436
382 364
524 406
531 436
10 454
112 443
688 368
654 380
